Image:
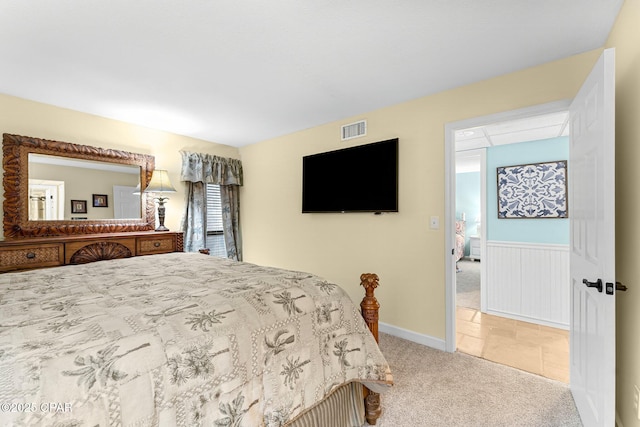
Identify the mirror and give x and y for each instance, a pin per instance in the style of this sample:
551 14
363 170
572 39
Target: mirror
54 188
63 188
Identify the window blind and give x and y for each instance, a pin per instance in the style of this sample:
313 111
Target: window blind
215 237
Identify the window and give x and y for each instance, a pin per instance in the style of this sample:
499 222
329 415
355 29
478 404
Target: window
215 238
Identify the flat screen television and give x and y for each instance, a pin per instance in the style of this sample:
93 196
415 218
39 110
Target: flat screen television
357 179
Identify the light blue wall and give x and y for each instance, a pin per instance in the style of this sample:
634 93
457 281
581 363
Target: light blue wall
468 202
541 230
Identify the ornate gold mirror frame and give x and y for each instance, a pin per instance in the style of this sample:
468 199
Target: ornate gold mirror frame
15 160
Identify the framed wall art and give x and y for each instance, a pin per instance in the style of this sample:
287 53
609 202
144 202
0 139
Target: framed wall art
537 190
100 201
78 206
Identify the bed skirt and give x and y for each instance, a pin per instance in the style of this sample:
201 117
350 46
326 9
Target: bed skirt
344 407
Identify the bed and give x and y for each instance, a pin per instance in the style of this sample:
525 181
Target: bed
182 339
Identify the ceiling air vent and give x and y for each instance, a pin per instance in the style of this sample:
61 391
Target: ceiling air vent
354 130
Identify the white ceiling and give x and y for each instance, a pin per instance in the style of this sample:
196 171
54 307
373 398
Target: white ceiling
238 71
534 128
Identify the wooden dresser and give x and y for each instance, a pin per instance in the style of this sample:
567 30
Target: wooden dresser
30 253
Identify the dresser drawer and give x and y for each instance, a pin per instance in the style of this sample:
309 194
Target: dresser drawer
156 245
27 256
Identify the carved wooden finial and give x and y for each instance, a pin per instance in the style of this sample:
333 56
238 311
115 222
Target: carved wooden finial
370 282
369 305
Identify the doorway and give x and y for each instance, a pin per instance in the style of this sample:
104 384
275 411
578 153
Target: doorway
490 328
46 200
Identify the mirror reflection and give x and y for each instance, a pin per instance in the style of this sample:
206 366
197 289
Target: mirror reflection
62 188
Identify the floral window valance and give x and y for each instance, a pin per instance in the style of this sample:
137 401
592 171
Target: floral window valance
210 169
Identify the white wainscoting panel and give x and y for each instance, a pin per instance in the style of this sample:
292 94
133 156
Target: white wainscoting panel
528 281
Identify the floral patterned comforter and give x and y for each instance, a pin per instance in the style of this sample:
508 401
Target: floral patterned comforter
178 339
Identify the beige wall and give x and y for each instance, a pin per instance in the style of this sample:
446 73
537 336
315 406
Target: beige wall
22 117
624 38
400 247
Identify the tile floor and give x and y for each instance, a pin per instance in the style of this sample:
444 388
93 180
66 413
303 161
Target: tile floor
530 347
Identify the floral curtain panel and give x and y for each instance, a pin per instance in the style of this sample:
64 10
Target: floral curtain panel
209 169
197 170
230 199
194 220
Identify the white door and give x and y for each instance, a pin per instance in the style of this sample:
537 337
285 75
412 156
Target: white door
591 205
47 200
126 205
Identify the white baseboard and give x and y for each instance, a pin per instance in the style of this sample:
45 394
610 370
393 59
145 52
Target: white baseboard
429 341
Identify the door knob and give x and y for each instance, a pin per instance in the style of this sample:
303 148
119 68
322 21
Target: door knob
597 284
619 287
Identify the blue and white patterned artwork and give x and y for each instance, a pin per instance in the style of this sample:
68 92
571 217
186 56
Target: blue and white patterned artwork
533 191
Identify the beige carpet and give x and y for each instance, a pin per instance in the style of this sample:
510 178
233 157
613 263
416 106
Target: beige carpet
468 284
435 388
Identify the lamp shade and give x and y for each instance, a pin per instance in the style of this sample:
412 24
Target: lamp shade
160 183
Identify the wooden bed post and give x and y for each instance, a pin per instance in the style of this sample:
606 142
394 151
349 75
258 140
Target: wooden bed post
370 307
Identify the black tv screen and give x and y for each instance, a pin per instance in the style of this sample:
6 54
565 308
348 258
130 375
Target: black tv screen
356 179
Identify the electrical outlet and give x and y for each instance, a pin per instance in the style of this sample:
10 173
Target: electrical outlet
636 400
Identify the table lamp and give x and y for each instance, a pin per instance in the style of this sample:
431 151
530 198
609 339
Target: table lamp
159 185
